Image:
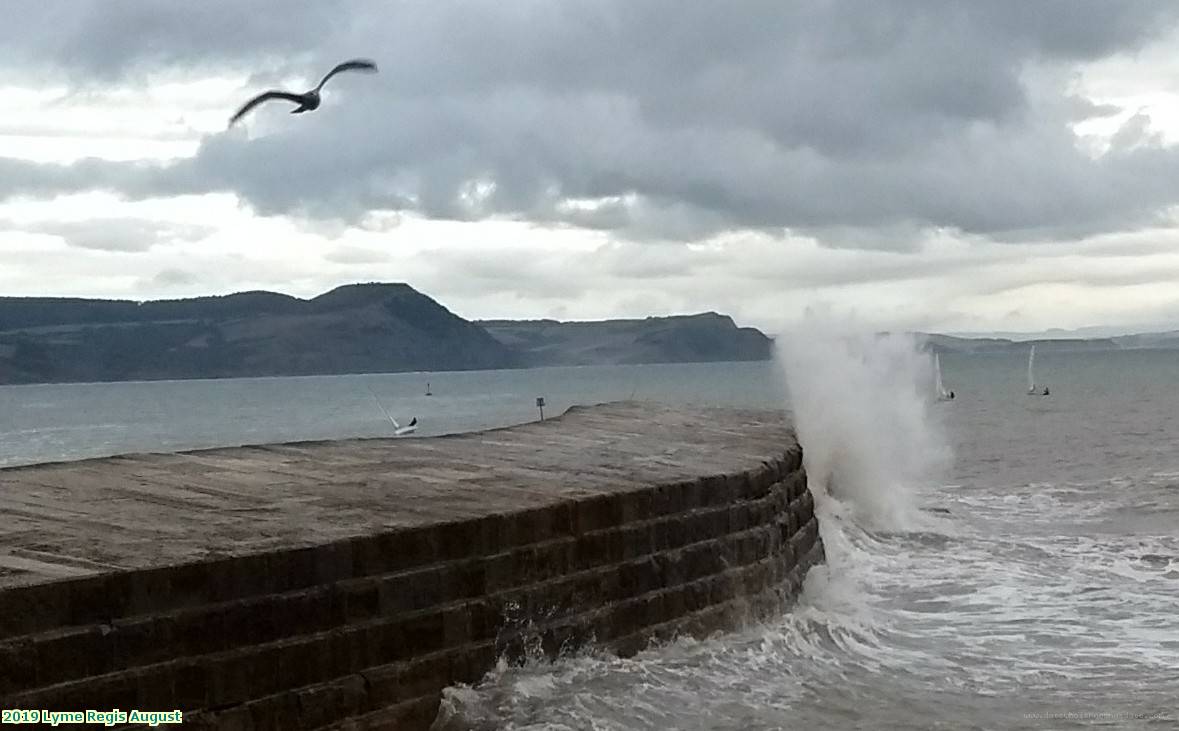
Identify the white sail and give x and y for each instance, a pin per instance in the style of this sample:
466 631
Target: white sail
1031 367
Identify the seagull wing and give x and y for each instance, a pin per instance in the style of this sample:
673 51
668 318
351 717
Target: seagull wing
356 64
264 97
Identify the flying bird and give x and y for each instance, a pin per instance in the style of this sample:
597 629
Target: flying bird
307 101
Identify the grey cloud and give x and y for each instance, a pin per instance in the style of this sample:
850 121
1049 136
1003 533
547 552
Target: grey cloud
683 120
1080 108
172 278
110 39
117 234
1135 132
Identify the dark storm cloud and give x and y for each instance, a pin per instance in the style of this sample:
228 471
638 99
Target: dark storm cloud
109 39
683 119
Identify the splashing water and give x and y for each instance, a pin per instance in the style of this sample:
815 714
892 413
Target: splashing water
1029 604
862 412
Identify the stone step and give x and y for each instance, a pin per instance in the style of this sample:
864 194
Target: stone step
102 599
62 655
697 573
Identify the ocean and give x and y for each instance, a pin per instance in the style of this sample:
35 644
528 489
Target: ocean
999 561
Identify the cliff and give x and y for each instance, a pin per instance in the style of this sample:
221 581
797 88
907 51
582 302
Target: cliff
351 329
360 328
684 339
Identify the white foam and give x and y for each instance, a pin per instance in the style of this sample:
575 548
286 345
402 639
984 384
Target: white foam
860 404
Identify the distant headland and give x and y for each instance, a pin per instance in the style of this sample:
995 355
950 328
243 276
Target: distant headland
357 328
1168 340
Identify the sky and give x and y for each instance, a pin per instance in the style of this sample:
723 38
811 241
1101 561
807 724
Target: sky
939 165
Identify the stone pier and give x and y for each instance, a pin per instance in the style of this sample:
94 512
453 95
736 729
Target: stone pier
345 584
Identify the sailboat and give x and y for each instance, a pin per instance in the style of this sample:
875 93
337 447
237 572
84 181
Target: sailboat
398 429
939 390
1032 391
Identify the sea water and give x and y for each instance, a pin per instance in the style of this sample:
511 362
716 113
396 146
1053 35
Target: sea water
1045 598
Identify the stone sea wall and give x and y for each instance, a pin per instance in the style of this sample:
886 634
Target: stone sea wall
365 633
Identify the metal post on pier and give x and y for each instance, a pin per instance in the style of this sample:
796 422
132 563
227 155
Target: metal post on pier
540 405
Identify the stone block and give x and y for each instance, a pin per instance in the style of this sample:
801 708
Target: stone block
692 495
561 519
386 642
154 639
637 541
74 653
677 533
296 567
410 547
470 663
498 572
661 534
596 513
425 675
663 500
596 549
468 579
18 667
233 719
350 650
456 627
718 490
675 602
247 622
278 712
460 539
358 599
230 681
423 633
303 663
94 599
672 569
333 562
384 685
640 577
740 516
636 505
191 685
188 584
485 619
153 690
722 587
697 560
323 704
703 525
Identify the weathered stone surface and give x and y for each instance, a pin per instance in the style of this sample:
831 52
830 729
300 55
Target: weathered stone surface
344 585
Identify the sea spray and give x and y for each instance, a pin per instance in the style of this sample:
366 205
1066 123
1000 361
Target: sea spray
861 407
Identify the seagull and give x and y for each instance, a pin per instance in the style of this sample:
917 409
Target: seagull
307 101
